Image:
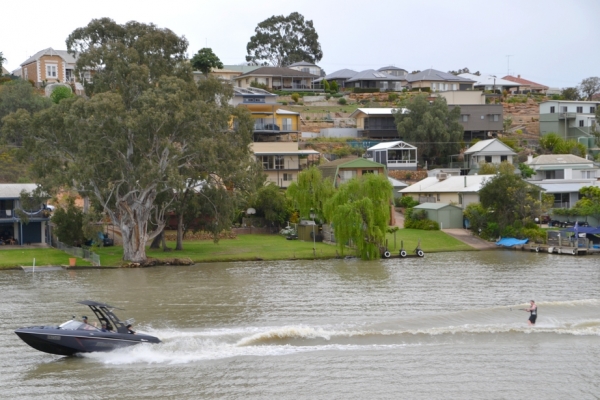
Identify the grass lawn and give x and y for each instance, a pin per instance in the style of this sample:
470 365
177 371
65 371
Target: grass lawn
244 247
16 257
431 241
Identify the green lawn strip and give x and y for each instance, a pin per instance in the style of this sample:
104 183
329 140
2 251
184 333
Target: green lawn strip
431 241
243 248
12 258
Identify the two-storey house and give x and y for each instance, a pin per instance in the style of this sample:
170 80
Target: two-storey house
282 161
277 78
13 230
562 175
574 120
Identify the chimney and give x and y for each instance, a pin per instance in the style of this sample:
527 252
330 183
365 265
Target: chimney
519 76
529 158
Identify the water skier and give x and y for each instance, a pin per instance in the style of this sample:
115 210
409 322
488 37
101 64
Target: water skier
533 310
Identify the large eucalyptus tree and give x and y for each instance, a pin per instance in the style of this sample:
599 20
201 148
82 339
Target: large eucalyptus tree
144 128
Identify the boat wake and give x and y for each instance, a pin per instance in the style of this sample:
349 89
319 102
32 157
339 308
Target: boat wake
557 319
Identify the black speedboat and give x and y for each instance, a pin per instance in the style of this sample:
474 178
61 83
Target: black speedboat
77 337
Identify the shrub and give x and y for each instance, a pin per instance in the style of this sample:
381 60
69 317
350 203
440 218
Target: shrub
334 86
326 86
295 97
284 103
342 101
337 95
392 96
407 202
327 97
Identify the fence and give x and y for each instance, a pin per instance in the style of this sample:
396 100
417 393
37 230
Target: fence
80 252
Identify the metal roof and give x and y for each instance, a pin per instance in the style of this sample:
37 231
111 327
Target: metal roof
559 159
486 80
435 206
435 75
377 111
302 64
390 145
372 75
452 184
13 190
561 187
483 144
50 52
340 74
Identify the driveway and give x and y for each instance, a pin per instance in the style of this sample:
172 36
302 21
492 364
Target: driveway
466 237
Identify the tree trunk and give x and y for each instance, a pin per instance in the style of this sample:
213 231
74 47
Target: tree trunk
133 213
179 245
158 240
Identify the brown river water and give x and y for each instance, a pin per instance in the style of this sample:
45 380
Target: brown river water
444 326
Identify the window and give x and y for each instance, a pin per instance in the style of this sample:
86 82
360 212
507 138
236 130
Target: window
465 118
579 109
564 109
503 158
488 159
279 164
433 86
288 177
347 175
51 71
592 110
550 174
552 110
286 124
588 174
267 81
369 171
494 117
454 86
267 162
581 123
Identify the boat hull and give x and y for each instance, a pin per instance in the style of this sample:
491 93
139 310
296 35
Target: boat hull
54 340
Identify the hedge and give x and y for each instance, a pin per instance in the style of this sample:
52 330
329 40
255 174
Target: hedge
366 90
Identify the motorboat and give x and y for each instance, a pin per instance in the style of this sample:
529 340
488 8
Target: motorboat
78 337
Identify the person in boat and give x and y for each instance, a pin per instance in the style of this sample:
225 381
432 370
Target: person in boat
533 310
104 328
130 330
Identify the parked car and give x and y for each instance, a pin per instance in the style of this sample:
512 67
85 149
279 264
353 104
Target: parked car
102 238
272 127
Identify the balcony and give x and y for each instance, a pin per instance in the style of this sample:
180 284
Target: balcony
6 214
567 115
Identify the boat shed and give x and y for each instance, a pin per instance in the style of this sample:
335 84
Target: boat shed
447 215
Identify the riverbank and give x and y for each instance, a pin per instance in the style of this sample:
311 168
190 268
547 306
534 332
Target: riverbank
242 248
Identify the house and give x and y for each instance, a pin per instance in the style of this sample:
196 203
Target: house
276 78
525 86
562 175
394 71
490 82
282 161
438 81
227 74
396 155
307 67
271 122
376 123
343 169
371 79
479 120
444 188
340 77
50 66
491 151
448 216
570 119
397 185
12 228
4 72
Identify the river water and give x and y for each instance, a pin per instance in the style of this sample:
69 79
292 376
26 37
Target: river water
444 326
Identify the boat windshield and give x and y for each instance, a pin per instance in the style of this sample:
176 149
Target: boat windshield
76 325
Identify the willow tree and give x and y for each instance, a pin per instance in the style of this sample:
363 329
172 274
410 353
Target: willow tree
311 192
360 211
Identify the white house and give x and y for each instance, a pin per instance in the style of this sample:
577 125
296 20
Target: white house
394 155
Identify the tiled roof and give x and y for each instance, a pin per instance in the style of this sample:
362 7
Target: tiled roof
524 82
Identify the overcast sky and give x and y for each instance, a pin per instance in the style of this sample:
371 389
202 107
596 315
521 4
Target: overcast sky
547 41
